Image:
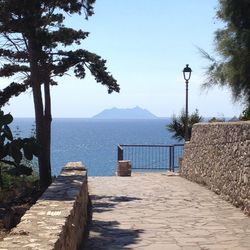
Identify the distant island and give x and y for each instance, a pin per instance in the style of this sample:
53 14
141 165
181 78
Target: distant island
117 113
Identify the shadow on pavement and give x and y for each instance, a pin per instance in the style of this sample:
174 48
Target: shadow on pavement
107 234
107 203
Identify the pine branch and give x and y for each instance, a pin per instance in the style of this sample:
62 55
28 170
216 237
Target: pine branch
96 65
14 89
11 69
20 56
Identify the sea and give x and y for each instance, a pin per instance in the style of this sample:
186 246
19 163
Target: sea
95 141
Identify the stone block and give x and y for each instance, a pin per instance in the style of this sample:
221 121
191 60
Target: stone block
124 168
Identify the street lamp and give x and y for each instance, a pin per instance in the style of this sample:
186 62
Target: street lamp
186 74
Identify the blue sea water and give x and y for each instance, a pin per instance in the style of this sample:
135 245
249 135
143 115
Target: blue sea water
94 142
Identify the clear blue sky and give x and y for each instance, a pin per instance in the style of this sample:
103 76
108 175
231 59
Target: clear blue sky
146 44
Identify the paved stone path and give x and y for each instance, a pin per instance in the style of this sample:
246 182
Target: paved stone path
156 211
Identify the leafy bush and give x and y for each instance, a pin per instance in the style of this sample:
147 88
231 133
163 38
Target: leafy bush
11 182
14 151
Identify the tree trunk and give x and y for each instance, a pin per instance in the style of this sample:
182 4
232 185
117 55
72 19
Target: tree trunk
42 121
1 178
47 128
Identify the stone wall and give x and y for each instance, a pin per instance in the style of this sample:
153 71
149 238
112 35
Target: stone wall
58 218
218 156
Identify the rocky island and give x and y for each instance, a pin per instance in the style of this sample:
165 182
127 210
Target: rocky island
129 113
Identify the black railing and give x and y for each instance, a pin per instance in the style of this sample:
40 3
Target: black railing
150 157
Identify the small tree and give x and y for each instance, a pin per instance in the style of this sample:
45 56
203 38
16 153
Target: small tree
37 46
177 126
245 116
215 119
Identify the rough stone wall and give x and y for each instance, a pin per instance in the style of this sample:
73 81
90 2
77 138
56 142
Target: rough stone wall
218 156
58 218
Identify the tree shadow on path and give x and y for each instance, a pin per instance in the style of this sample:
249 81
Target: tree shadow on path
107 234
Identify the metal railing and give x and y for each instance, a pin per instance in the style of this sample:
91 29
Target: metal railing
150 157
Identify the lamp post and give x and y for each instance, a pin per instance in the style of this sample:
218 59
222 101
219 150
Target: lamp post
186 74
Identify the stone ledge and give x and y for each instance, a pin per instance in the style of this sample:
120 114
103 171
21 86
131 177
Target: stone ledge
58 218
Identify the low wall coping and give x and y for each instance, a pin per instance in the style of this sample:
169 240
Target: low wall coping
222 123
58 218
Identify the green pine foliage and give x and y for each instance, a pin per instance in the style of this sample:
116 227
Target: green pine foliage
232 43
37 48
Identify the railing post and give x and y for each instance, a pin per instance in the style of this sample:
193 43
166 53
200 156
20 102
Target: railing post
120 153
171 158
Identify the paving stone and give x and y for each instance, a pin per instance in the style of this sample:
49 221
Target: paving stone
161 212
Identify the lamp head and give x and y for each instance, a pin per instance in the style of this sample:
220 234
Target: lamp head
187 72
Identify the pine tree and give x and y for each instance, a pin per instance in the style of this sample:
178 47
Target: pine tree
232 43
36 48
